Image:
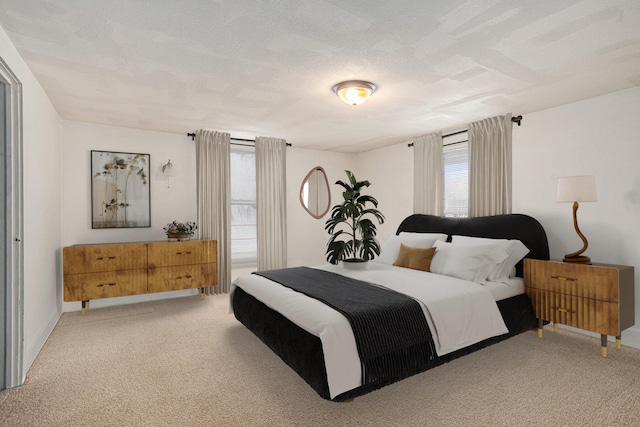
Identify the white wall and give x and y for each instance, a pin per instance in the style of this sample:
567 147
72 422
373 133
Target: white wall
597 136
41 172
390 172
306 236
174 200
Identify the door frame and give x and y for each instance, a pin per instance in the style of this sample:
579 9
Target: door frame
14 274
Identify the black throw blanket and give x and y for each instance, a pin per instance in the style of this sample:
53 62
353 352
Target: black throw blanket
391 332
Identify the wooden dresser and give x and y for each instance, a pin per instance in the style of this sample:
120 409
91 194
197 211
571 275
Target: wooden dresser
122 269
594 297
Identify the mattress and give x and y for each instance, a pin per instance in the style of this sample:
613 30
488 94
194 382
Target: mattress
507 289
459 313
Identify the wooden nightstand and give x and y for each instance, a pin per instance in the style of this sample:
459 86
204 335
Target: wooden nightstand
594 297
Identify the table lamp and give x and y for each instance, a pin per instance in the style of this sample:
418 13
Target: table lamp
577 189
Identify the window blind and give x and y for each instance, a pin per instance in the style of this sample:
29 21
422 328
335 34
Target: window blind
456 179
244 241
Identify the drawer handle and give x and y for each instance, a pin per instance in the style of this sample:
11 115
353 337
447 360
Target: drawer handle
563 310
568 279
181 277
105 257
108 284
183 253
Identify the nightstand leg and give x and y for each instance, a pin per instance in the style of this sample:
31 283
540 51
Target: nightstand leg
201 293
555 327
540 326
603 345
85 305
618 341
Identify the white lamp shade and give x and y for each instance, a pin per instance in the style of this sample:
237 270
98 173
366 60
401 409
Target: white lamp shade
577 189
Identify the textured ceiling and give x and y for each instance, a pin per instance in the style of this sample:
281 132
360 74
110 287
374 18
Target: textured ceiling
267 67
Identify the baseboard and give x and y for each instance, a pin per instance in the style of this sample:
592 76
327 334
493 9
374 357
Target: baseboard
69 307
30 354
630 337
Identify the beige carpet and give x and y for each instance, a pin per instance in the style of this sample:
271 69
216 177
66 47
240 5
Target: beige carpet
186 362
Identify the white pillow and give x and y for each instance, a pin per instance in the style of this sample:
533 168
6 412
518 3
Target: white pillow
468 262
436 236
515 250
391 247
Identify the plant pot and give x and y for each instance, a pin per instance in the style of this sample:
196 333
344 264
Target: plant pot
178 236
355 264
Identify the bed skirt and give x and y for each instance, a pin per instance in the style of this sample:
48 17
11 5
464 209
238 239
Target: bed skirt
302 351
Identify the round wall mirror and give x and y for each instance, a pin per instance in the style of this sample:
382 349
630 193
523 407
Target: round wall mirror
315 195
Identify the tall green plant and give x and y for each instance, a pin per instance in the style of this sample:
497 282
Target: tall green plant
351 226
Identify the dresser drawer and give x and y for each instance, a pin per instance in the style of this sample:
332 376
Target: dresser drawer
96 258
88 286
163 279
593 315
176 253
593 282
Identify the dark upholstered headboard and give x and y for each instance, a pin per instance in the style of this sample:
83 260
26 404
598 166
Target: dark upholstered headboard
513 226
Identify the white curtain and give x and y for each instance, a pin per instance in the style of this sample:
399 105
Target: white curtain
428 175
271 202
214 193
490 166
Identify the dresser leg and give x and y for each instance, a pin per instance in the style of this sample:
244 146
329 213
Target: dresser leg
618 341
540 326
85 305
555 327
603 345
201 293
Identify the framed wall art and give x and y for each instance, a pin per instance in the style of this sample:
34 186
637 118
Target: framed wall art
120 190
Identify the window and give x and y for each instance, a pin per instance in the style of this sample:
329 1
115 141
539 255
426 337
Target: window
244 240
456 176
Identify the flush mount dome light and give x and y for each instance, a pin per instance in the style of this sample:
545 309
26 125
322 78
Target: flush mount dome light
354 92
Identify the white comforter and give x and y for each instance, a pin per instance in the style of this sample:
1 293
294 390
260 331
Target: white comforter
459 313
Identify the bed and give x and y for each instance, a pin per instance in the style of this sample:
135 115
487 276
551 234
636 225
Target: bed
282 320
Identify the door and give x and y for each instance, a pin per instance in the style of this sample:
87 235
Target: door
3 238
11 213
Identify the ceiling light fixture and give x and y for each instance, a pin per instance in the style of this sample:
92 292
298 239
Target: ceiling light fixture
354 92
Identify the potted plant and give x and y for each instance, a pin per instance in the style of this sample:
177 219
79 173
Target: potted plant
351 225
180 230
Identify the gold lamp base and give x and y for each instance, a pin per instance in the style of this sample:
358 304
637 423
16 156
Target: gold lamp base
577 259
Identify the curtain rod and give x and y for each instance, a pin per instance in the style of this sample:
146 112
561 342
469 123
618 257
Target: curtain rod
193 138
516 119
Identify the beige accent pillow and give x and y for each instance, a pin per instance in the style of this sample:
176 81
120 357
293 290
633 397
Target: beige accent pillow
391 247
415 258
